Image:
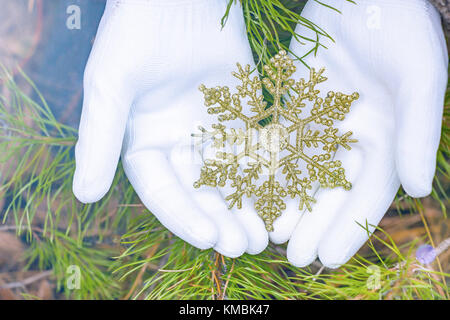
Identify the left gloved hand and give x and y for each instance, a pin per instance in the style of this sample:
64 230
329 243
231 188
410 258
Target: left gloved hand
141 100
393 53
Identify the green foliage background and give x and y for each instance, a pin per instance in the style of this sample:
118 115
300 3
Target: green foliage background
123 252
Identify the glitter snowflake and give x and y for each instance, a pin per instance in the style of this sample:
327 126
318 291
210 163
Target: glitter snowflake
271 153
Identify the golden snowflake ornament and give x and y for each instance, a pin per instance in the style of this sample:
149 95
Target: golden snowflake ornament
262 161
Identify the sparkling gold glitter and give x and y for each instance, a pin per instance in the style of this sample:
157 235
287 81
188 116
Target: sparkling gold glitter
276 148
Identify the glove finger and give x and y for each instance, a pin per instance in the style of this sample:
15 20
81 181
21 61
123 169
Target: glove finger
156 184
232 240
285 225
253 225
107 99
419 110
99 142
247 216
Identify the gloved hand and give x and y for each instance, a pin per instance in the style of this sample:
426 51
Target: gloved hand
393 53
141 89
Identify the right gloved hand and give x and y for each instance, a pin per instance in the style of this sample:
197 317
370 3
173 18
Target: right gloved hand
393 53
141 96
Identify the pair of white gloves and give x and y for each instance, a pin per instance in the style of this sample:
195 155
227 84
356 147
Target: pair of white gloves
141 102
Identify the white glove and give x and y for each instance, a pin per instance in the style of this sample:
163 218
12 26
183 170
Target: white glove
393 53
141 88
